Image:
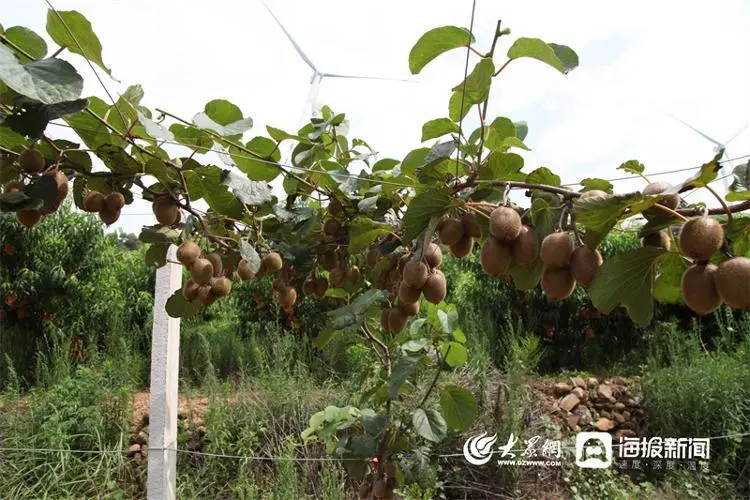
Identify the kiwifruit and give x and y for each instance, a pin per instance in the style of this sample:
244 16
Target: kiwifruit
584 263
699 288
669 201
335 207
205 295
201 271
287 297
93 202
384 319
221 286
244 271
215 260
272 261
187 253
12 186
320 288
558 283
402 261
470 225
450 231
373 255
331 227
435 288
416 273
336 277
62 186
165 210
31 161
29 218
556 250
109 217
330 260
732 280
190 290
397 320
701 237
379 488
353 274
278 283
262 271
114 201
410 309
525 248
433 256
463 248
495 257
381 281
593 193
658 239
505 224
408 294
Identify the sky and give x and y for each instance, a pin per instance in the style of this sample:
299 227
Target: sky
639 62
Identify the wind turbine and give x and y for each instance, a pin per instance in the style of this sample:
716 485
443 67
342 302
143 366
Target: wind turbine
317 78
718 146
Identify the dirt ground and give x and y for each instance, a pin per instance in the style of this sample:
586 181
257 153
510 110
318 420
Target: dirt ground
194 409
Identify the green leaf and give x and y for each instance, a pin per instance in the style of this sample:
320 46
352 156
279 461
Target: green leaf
545 213
249 253
413 160
458 106
429 424
249 192
179 307
435 42
372 422
156 255
458 407
155 130
12 141
522 129
591 183
543 175
89 129
262 168
632 167
27 40
669 269
560 57
503 167
627 279
739 234
739 190
599 214
526 278
476 87
222 111
422 208
35 117
192 137
385 164
48 81
500 129
703 177
118 160
403 368
454 353
220 200
363 231
158 234
73 31
351 316
237 128
436 128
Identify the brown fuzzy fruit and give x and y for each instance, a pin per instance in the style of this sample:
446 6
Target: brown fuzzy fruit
272 261
381 281
373 255
262 271
201 271
699 288
109 217
205 295
216 263
335 207
557 248
732 280
336 277
287 297
435 288
463 248
221 286
353 274
244 271
31 161
505 224
93 202
593 194
308 286
29 218
190 290
384 319
471 227
433 256
416 273
584 263
669 201
165 210
187 253
408 294
397 320
558 283
496 257
330 260
658 239
410 309
320 289
61 180
525 247
331 227
450 231
701 237
114 201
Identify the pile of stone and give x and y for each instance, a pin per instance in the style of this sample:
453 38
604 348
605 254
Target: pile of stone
606 405
190 437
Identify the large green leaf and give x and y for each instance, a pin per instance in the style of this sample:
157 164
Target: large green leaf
632 167
258 169
249 192
453 353
627 279
560 57
429 424
435 42
546 210
706 173
27 40
422 208
192 137
669 269
591 183
352 316
118 160
526 278
458 106
12 141
48 81
72 30
739 234
403 368
476 87
543 175
35 117
92 131
503 167
740 188
156 255
436 128
500 129
459 407
179 307
599 214
363 231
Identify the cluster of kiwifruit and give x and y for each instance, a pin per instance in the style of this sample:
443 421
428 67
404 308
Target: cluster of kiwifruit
706 286
458 234
32 161
565 264
108 207
166 211
509 240
381 488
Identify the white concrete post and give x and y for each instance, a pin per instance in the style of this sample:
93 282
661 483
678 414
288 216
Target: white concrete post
165 355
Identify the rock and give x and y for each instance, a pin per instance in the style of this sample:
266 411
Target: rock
561 388
623 433
605 392
592 382
584 415
141 438
604 424
569 402
133 449
619 418
618 381
144 420
580 393
619 407
605 414
138 458
201 431
578 382
626 414
144 450
573 422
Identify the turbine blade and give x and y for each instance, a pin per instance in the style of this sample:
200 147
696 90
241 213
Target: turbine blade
363 77
697 131
738 133
289 36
